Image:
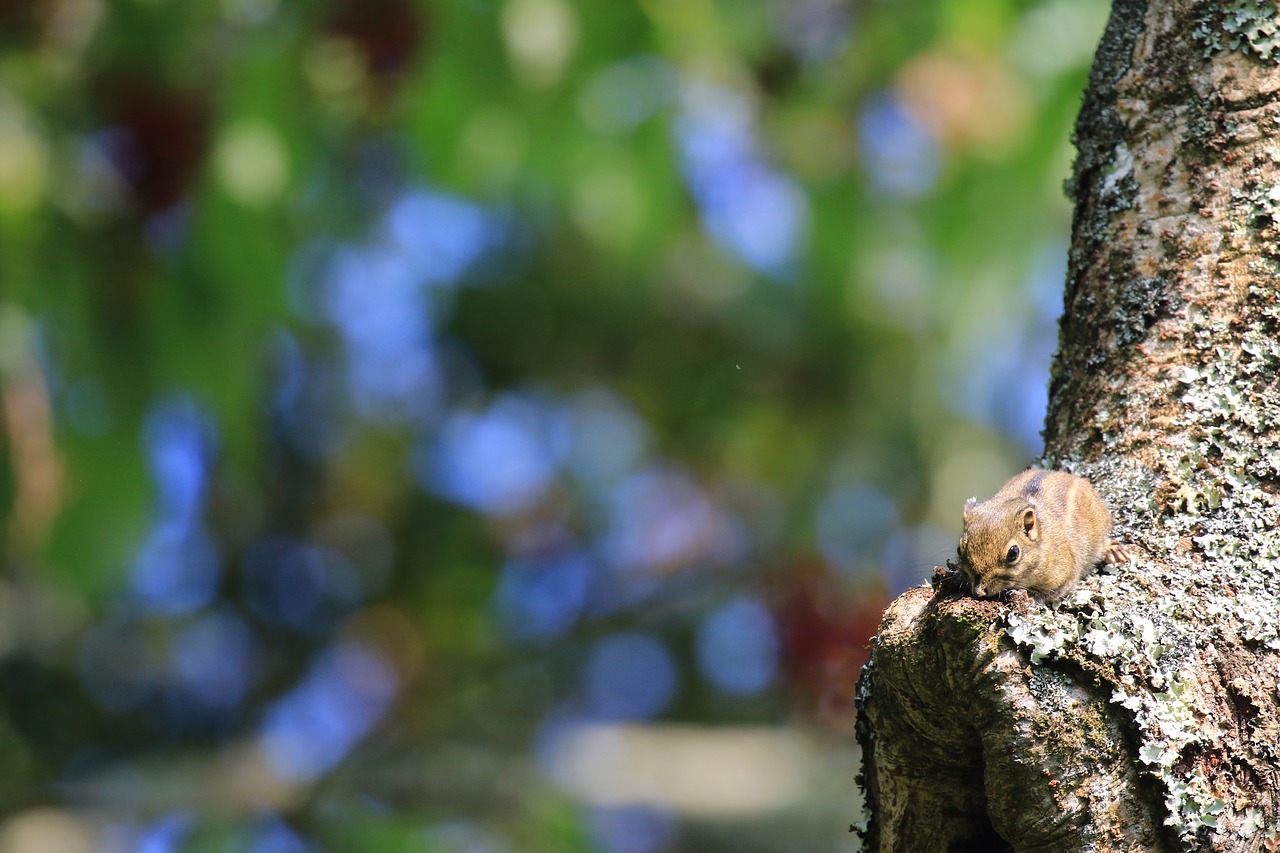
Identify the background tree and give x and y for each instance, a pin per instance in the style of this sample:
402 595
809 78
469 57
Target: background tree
1141 715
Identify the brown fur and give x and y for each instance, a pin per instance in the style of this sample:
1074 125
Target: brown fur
1059 526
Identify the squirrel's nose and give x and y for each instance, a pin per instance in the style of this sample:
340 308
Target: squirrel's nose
978 590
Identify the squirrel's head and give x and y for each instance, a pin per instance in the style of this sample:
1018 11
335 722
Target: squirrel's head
999 545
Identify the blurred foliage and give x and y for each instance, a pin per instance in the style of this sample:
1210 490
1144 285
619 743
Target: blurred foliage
496 425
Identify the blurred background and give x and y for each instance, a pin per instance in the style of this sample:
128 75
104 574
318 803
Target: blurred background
497 425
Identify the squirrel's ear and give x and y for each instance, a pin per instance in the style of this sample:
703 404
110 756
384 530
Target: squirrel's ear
968 507
1029 525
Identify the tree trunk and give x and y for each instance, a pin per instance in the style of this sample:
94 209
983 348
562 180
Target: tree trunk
1144 712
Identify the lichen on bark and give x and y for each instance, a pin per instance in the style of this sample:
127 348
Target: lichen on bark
1144 712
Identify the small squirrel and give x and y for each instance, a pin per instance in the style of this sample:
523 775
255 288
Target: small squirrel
1042 532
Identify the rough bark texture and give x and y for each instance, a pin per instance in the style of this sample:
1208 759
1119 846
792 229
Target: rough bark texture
1144 712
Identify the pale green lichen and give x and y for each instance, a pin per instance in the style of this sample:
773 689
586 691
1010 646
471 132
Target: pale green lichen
1192 804
1257 202
1251 823
1044 638
1242 23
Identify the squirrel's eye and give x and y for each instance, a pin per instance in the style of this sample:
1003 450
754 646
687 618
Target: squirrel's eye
1013 555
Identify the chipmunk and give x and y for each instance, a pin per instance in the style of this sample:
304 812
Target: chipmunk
1042 532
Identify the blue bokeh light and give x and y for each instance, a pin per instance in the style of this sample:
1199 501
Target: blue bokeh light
630 676
661 519
631 829
375 298
305 398
440 236
311 728
911 554
177 569
166 835
816 30
1005 385
166 230
215 659
748 206
1020 407
293 584
386 297
1002 381
291 373
737 646
1045 284
180 441
102 163
499 461
898 154
852 526
607 438
542 598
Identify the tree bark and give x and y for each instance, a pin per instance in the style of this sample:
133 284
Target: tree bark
1144 712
